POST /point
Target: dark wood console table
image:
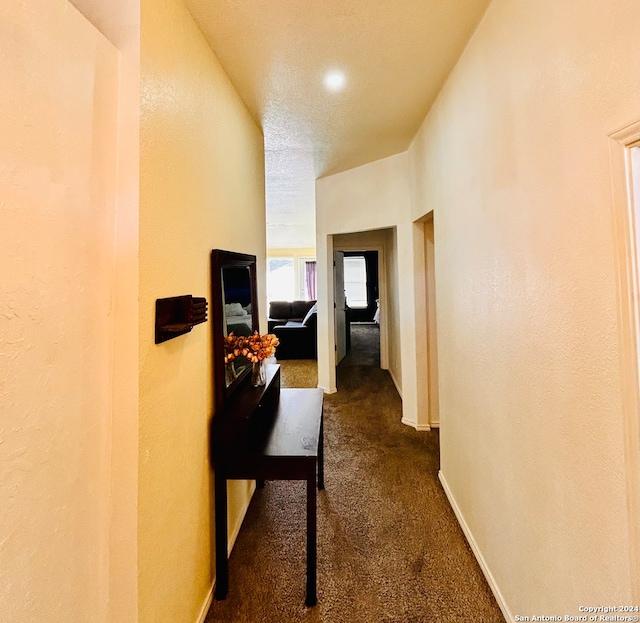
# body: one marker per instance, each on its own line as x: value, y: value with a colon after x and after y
x: 260, y: 437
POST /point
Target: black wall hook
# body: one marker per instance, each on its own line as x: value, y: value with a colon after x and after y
x: 177, y: 315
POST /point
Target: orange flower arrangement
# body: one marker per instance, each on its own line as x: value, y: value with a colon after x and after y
x: 254, y: 347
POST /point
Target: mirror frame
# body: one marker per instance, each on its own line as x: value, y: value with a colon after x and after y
x: 219, y: 261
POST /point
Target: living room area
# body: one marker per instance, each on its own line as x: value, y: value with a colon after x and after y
x: 292, y: 302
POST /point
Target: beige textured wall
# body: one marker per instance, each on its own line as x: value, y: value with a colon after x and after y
x: 58, y: 122
x: 202, y: 187
x: 377, y: 195
x: 514, y: 159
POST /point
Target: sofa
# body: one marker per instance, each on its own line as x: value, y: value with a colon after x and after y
x: 295, y: 324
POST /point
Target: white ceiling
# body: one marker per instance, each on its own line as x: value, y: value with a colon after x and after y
x: 396, y: 55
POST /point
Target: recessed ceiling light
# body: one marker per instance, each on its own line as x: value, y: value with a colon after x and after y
x: 335, y: 80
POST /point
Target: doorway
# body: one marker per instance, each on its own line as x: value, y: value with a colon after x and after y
x: 625, y: 162
x: 432, y: 342
x: 382, y: 241
x: 361, y: 287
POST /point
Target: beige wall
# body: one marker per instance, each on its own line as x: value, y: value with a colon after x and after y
x: 59, y: 188
x: 373, y: 196
x: 514, y: 160
x: 202, y: 187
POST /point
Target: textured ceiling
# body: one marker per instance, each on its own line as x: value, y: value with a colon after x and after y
x: 396, y: 55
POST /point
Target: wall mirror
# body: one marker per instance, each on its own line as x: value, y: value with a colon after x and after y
x: 234, y: 309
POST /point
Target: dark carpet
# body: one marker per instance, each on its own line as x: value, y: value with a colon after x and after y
x: 365, y: 346
x: 389, y: 546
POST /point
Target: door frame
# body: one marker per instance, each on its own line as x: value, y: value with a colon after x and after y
x: 428, y: 232
x: 339, y: 308
x: 626, y: 231
x: 382, y: 294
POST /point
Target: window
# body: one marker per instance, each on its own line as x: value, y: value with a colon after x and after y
x: 280, y: 279
x: 355, y: 281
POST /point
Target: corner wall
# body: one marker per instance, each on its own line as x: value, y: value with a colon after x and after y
x: 119, y: 22
x: 375, y: 196
x: 202, y: 187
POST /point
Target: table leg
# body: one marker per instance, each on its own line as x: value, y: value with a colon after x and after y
x: 311, y: 540
x: 321, y: 455
x: 222, y: 562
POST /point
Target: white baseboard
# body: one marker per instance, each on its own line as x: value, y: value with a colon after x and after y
x: 495, y: 589
x: 328, y: 391
x: 236, y: 529
x: 395, y: 382
x: 230, y: 543
x: 418, y: 427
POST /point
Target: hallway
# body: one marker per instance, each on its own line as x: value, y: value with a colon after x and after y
x: 389, y: 547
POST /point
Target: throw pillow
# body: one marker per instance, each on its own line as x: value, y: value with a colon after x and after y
x: 313, y: 310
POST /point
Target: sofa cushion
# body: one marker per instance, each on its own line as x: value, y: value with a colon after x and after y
x: 297, y: 341
x: 280, y: 309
